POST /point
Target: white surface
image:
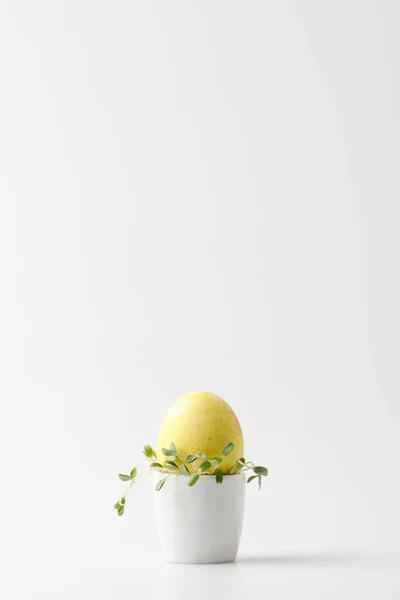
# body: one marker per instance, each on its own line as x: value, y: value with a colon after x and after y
x: 276, y: 575
x: 201, y: 523
x: 199, y: 195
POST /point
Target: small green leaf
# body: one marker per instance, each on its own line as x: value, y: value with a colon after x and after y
x: 122, y: 500
x: 236, y: 467
x: 259, y: 482
x: 216, y: 459
x: 156, y: 464
x: 242, y: 460
x: 219, y: 476
x: 251, y: 478
x: 190, y: 458
x: 261, y: 471
x: 193, y: 479
x: 123, y: 477
x: 173, y: 447
x: 168, y: 452
x: 160, y: 484
x: 204, y: 466
x: 202, y: 456
x: 117, y: 505
x: 170, y: 464
x: 228, y: 449
x: 133, y: 473
x: 184, y: 470
x: 121, y: 511
x: 148, y: 451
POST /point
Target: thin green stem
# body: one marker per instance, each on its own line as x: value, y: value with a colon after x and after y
x: 139, y: 478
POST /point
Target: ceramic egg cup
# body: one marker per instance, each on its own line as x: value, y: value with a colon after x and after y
x: 202, y: 523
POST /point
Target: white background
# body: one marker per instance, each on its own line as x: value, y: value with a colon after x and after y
x: 200, y: 195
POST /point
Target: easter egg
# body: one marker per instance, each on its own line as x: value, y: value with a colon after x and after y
x: 201, y: 422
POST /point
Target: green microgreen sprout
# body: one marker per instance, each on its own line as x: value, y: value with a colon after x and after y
x: 177, y: 465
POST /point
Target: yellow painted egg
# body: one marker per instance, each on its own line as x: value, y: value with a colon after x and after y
x: 201, y: 422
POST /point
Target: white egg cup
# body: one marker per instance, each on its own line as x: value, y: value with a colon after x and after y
x: 200, y: 524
